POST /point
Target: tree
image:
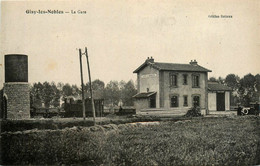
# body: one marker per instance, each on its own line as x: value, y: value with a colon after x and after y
x: 112, y: 93
x: 257, y: 85
x: 60, y: 86
x: 47, y: 94
x: 55, y: 102
x: 232, y: 81
x: 212, y: 79
x: 75, y: 90
x: 98, y: 88
x: 247, y: 90
x: 36, y: 91
x: 127, y: 93
x: 221, y: 80
x: 66, y: 90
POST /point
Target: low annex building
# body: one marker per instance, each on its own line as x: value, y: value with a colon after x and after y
x: 171, y: 87
x: 219, y: 97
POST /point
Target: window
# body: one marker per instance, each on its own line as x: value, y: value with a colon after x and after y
x: 195, y: 81
x: 173, y: 80
x: 174, y: 101
x: 185, y: 79
x: 196, y: 101
x: 185, y: 100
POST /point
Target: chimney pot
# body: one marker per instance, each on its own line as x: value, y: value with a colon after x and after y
x: 193, y: 62
x: 151, y: 60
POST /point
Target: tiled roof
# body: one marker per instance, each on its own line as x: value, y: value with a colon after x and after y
x: 173, y: 67
x: 218, y: 87
x: 144, y: 94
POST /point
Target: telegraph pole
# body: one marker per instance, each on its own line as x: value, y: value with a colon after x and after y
x: 90, y: 85
x: 82, y: 85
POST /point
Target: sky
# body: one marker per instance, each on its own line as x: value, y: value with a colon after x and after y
x: 121, y: 34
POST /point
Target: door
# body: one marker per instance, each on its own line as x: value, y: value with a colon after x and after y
x: 220, y: 101
x: 153, y: 101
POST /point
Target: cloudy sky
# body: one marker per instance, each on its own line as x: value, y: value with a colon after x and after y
x: 121, y: 34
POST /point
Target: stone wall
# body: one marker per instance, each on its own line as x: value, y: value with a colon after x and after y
x: 18, y: 100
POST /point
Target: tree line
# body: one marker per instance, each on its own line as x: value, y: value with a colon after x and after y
x: 52, y: 94
x: 245, y: 89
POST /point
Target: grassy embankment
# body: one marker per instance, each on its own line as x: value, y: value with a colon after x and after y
x: 199, y: 141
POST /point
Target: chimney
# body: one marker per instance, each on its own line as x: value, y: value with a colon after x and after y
x: 151, y: 60
x: 194, y: 62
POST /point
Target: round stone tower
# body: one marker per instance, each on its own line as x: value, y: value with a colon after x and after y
x: 16, y: 87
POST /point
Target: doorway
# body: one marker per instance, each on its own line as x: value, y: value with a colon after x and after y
x: 153, y: 101
x: 220, y: 101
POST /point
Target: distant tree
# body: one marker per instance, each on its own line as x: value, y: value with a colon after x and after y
x: 127, y: 93
x: 47, y: 94
x: 212, y: 79
x: 247, y: 90
x: 257, y: 79
x: 75, y: 90
x: 122, y: 84
x: 98, y: 88
x: 67, y: 90
x: 221, y: 80
x: 55, y: 102
x: 112, y: 93
x: 257, y: 87
x: 232, y: 81
x: 36, y: 91
x: 60, y: 86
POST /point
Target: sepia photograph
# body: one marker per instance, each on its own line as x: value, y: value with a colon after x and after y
x: 130, y: 82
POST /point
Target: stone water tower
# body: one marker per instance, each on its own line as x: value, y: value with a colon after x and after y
x: 16, y: 87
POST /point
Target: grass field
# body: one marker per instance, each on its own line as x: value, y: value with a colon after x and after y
x: 199, y: 141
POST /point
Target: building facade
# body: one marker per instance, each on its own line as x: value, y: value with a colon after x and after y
x: 171, y: 87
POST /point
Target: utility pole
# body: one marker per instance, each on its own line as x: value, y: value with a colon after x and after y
x: 90, y: 85
x: 82, y: 85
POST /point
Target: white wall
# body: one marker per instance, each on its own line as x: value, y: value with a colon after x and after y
x: 227, y: 101
x: 212, y: 99
x: 149, y: 78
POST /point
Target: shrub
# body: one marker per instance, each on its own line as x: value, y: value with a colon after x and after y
x: 193, y: 112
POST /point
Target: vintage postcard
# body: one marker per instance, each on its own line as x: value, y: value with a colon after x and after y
x: 130, y: 82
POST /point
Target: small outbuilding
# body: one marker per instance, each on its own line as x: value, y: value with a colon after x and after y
x: 218, y: 97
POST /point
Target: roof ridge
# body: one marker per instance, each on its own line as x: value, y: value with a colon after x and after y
x: 173, y: 63
x: 170, y: 66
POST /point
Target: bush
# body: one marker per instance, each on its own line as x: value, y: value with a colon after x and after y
x: 21, y: 125
x: 193, y: 112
